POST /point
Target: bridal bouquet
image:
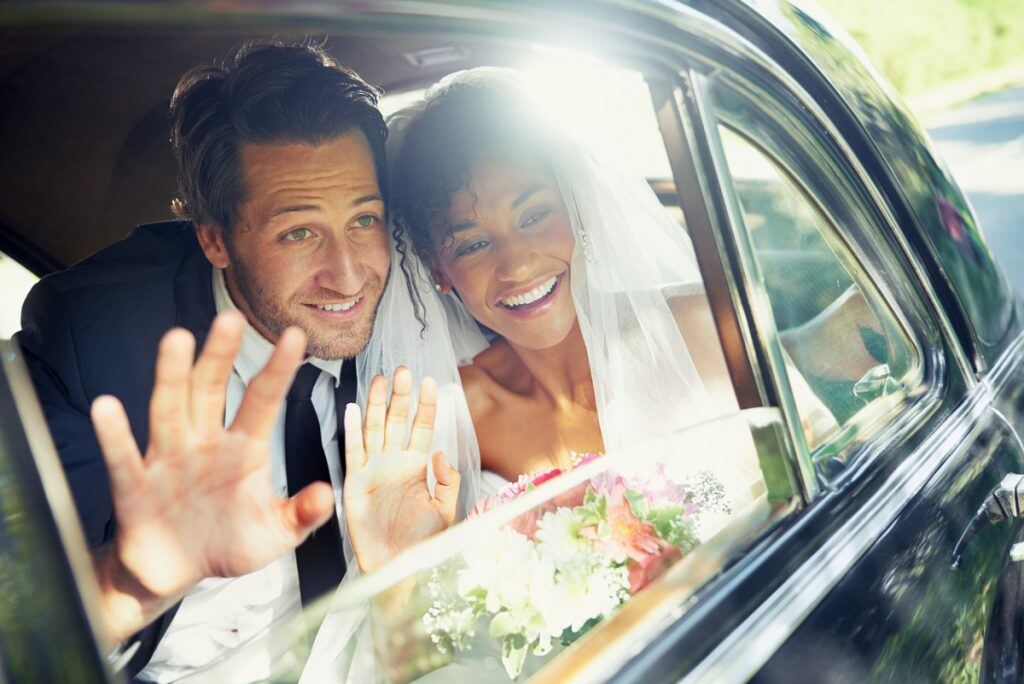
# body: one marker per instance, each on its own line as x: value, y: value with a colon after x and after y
x: 553, y: 573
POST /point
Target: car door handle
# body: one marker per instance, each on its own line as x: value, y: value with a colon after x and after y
x: 1005, y: 501
x: 877, y: 382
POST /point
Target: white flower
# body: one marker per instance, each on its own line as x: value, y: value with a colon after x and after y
x: 559, y: 540
x: 511, y: 575
x: 539, y: 589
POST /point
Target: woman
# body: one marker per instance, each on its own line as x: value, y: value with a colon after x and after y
x: 589, y: 288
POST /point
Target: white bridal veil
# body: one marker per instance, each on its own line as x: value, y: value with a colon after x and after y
x: 630, y: 258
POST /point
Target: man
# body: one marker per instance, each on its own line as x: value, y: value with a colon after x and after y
x: 280, y: 158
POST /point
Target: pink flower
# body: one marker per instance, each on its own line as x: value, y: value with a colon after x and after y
x: 642, y: 572
x: 627, y: 537
x: 657, y: 488
x: 579, y: 459
x: 526, y: 523
x: 544, y: 477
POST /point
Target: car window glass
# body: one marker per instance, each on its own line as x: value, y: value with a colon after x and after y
x: 543, y: 576
x: 15, y: 282
x: 846, y: 353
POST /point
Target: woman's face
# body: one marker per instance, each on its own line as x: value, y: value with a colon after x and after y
x: 509, y: 252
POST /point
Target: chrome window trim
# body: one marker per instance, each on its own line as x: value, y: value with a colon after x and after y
x: 56, y: 491
x: 1000, y: 372
x: 756, y: 296
x: 756, y: 639
x: 916, y: 321
x: 707, y: 235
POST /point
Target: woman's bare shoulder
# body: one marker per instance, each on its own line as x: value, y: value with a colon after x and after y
x: 482, y: 379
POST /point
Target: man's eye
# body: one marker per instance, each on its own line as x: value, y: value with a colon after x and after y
x: 298, y: 235
x: 366, y: 221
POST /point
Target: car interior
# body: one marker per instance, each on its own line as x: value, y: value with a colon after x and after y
x: 85, y: 124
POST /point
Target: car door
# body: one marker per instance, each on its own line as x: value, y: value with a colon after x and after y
x: 860, y: 583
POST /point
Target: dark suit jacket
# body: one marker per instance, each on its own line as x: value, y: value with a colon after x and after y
x: 94, y: 329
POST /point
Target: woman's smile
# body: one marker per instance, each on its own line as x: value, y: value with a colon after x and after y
x: 532, y: 301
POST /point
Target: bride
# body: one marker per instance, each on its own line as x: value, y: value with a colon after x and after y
x: 557, y: 289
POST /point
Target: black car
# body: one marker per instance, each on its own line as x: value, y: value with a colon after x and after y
x: 814, y: 203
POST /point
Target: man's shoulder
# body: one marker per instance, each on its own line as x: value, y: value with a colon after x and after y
x: 151, y: 251
x: 115, y: 304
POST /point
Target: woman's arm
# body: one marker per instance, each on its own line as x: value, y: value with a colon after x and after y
x: 830, y: 345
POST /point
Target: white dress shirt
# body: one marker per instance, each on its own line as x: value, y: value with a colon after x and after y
x: 221, y: 616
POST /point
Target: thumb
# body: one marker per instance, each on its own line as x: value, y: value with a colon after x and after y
x: 447, y: 489
x: 308, y: 510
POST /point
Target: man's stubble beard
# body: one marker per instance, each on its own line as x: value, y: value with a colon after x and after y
x: 344, y: 343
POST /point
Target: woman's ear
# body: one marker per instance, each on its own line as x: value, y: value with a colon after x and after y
x: 211, y: 241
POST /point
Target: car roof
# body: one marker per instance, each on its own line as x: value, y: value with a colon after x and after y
x: 85, y: 88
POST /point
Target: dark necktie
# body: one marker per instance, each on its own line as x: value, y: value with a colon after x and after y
x: 320, y: 560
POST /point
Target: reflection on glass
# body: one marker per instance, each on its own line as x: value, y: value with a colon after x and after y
x: 847, y: 356
x: 550, y: 563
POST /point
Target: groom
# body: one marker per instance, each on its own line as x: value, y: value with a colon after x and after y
x: 280, y: 157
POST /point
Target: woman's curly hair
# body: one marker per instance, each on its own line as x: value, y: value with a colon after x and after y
x: 436, y: 157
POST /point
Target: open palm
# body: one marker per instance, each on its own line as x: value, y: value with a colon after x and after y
x: 200, y: 504
x: 388, y: 504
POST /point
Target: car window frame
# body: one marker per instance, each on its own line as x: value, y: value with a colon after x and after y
x: 872, y: 242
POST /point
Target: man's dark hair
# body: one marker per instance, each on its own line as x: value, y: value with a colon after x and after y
x: 262, y: 93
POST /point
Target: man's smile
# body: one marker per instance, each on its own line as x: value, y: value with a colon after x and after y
x: 340, y: 310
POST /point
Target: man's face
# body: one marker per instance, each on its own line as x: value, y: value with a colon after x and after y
x: 310, y: 244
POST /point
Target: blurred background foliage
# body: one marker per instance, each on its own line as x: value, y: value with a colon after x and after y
x: 925, y: 44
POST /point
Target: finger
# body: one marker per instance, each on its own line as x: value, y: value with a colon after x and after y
x: 307, y: 510
x: 423, y: 424
x: 212, y: 372
x: 262, y: 400
x: 169, y: 406
x: 355, y: 455
x: 398, y: 410
x: 447, y: 489
x: 121, y: 453
x: 376, y: 408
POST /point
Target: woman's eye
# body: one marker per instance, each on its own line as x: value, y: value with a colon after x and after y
x: 298, y: 235
x: 366, y: 221
x: 535, y: 217
x: 467, y: 248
